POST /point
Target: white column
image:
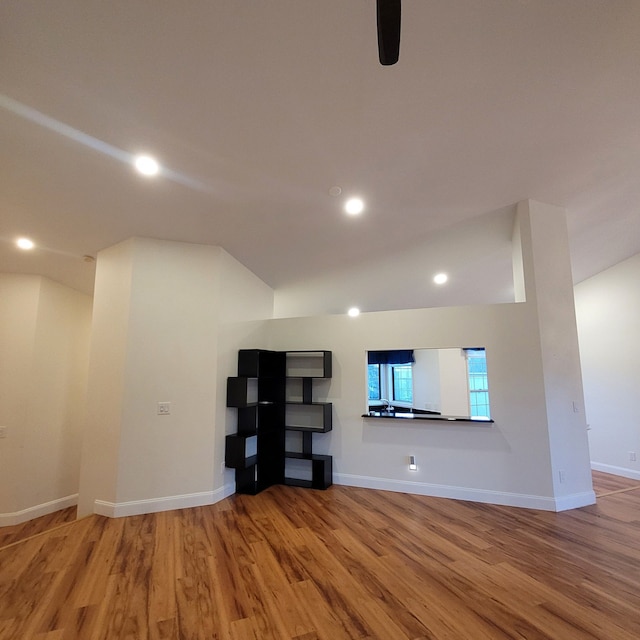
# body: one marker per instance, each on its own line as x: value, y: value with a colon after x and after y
x: 158, y: 313
x: 546, y: 282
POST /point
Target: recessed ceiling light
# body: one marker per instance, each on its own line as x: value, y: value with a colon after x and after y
x: 25, y: 243
x: 353, y: 312
x: 441, y: 278
x: 354, y: 206
x: 335, y: 191
x: 146, y: 165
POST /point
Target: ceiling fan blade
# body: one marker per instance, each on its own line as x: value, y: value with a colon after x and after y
x: 388, y: 30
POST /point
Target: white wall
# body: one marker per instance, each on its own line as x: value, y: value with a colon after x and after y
x: 507, y: 462
x: 44, y: 341
x: 534, y: 375
x: 549, y: 291
x: 403, y: 278
x: 19, y: 296
x: 164, y: 328
x: 608, y: 314
x: 440, y: 381
x: 247, y: 304
x: 181, y: 312
x: 454, y: 386
x: 426, y: 380
x: 106, y: 382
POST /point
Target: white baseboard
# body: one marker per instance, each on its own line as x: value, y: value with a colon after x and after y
x: 504, y: 498
x: 18, y: 517
x: 167, y: 503
x: 575, y: 501
x: 616, y: 471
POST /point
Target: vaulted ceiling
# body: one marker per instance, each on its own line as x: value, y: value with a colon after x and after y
x: 256, y: 109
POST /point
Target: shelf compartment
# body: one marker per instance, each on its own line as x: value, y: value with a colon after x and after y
x: 308, y: 364
x: 247, y: 392
x: 316, y: 416
x: 293, y: 390
x: 248, y: 420
x: 321, y: 471
x: 300, y: 390
x: 246, y: 481
x: 240, y: 451
x: 260, y: 363
x: 242, y: 392
x: 270, y: 461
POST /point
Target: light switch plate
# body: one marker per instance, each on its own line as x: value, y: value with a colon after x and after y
x: 164, y: 408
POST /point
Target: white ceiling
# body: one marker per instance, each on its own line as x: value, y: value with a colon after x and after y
x: 258, y: 107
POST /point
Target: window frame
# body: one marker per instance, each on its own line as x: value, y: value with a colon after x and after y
x: 387, y: 387
x: 392, y: 377
x: 472, y: 376
x: 369, y: 370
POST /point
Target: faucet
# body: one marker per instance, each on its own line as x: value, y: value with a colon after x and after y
x: 388, y: 407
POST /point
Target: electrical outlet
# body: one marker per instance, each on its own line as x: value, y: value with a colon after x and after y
x: 164, y: 408
x: 3, y: 432
x: 563, y: 476
x: 632, y: 456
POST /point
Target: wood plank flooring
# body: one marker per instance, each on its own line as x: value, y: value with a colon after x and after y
x: 15, y: 533
x: 605, y: 483
x: 297, y: 564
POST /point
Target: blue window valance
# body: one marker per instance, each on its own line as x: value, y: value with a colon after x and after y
x: 391, y: 357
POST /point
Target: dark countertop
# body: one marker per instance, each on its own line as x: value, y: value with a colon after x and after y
x: 401, y: 415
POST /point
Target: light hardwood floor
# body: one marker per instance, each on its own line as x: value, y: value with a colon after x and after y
x: 15, y: 533
x: 342, y: 563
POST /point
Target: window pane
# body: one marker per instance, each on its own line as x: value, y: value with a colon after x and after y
x: 477, y: 363
x: 402, y: 383
x: 478, y: 383
x: 374, y: 381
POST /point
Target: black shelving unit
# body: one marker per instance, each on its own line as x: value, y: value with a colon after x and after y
x: 257, y: 451
x: 258, y: 392
x: 309, y: 417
